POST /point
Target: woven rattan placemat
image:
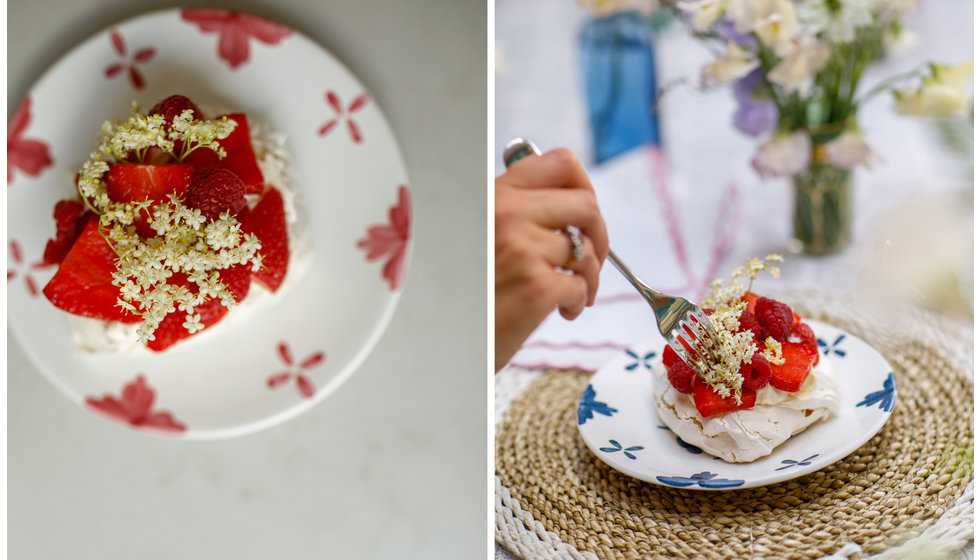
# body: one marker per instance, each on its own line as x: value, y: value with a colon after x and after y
x: 911, y: 483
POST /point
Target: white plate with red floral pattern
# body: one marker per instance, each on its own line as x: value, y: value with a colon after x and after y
x: 351, y: 181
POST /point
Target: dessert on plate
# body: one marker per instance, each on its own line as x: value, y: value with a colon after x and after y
x: 769, y: 382
x: 179, y: 219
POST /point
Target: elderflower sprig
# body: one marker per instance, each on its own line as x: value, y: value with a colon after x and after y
x: 186, y: 243
x: 736, y: 347
x: 200, y: 134
x: 134, y: 137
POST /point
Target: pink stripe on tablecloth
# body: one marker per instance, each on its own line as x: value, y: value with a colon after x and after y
x: 727, y: 225
x: 575, y: 344
x: 658, y: 172
x: 550, y: 365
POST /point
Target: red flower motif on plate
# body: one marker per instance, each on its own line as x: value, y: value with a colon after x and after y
x: 234, y: 30
x: 135, y: 407
x: 128, y: 64
x: 17, y: 255
x: 345, y: 114
x: 29, y: 155
x: 391, y: 240
x: 303, y: 383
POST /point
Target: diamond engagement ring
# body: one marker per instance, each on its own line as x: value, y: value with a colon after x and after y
x: 578, y: 246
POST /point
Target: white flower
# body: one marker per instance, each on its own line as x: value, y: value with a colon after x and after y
x: 733, y: 64
x: 899, y: 8
x: 803, y: 62
x: 784, y: 154
x: 605, y: 8
x: 898, y: 40
x: 735, y: 347
x: 942, y: 93
x: 848, y: 150
x: 773, y: 21
x: 706, y: 12
x: 193, y: 323
x: 836, y: 21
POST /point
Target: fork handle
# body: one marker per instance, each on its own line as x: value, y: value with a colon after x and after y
x: 653, y: 297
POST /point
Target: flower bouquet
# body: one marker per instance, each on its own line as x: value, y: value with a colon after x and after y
x: 796, y: 69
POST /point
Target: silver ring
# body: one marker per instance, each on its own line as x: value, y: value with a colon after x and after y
x: 578, y: 246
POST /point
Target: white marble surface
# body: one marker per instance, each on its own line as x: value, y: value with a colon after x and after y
x: 392, y: 465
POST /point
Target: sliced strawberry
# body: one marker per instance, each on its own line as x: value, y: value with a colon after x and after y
x: 670, y: 357
x: 750, y: 299
x: 83, y: 283
x: 710, y: 403
x: 136, y: 182
x: 804, y: 334
x: 70, y: 217
x: 790, y: 375
x: 171, y: 330
x: 268, y: 222
x: 240, y: 159
x: 214, y: 191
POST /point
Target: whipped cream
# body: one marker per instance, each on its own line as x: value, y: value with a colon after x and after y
x: 746, y: 435
x: 113, y: 337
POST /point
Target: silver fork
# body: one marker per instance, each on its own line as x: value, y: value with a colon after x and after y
x: 673, y: 313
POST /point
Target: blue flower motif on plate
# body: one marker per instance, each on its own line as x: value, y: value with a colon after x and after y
x: 616, y: 446
x: 885, y: 399
x: 588, y: 405
x: 638, y: 361
x: 692, y: 449
x: 832, y: 347
x: 703, y: 479
x: 787, y: 463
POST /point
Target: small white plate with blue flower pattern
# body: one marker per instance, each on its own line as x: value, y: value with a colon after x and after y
x: 618, y: 420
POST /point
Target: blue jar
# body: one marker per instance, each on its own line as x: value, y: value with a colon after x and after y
x: 619, y: 74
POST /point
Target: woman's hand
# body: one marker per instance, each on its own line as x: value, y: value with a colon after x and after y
x: 535, y: 200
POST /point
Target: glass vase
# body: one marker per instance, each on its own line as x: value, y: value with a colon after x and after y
x: 619, y: 75
x: 821, y: 209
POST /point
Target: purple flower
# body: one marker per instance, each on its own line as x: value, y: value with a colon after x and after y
x: 726, y: 28
x: 756, y: 113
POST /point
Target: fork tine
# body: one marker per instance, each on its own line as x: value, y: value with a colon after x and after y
x: 682, y: 351
x: 699, y: 349
x: 702, y: 318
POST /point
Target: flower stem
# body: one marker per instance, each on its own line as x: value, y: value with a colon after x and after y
x: 887, y: 83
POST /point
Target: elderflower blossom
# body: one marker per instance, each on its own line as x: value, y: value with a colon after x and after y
x: 201, y: 134
x: 186, y: 242
x: 736, y: 347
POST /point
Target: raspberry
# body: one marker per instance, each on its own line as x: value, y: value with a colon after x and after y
x: 173, y: 106
x: 70, y: 217
x: 670, y: 357
x: 680, y: 375
x: 215, y: 190
x: 776, y: 318
x: 748, y: 322
x: 755, y: 374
